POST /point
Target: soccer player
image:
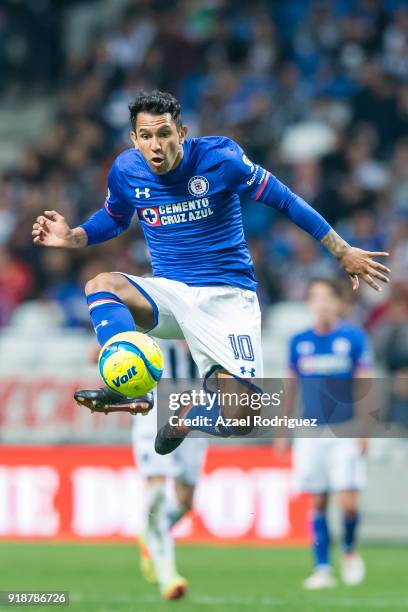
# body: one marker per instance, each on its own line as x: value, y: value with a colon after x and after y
x: 170, y: 479
x: 185, y: 193
x: 336, y: 353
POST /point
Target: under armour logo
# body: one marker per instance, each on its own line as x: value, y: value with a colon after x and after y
x: 142, y: 192
x: 250, y: 371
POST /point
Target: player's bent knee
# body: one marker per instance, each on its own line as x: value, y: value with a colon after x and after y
x: 101, y: 282
x: 106, y: 281
x: 140, y: 308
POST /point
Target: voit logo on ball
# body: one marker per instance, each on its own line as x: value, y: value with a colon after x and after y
x: 121, y: 380
x: 198, y: 185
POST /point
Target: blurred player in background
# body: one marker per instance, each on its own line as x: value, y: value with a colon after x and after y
x: 336, y: 350
x: 170, y: 480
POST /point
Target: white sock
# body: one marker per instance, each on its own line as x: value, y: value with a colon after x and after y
x: 159, y: 540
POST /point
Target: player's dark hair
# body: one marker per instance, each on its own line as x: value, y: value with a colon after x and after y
x: 157, y: 103
x: 335, y: 286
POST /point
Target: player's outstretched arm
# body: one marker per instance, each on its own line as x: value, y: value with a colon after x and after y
x: 246, y: 178
x: 52, y: 230
x: 357, y: 262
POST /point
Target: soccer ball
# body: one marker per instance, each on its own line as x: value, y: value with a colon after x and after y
x: 131, y: 363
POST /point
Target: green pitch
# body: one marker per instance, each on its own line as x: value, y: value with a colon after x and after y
x: 105, y: 578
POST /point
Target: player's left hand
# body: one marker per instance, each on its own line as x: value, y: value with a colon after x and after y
x: 359, y: 263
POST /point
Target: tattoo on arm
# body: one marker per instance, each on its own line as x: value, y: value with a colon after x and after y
x: 335, y: 244
x: 79, y: 238
x: 78, y: 241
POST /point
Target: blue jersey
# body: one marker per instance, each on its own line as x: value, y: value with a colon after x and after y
x: 325, y: 365
x: 191, y: 216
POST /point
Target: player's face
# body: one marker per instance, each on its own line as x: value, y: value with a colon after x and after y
x: 159, y: 140
x: 324, y: 304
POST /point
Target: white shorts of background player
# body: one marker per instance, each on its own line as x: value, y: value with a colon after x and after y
x: 322, y: 465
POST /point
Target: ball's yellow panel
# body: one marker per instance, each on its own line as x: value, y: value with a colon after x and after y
x: 131, y: 363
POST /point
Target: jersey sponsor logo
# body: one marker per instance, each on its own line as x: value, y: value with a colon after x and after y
x: 142, y: 193
x: 198, y: 185
x: 325, y: 365
x: 150, y: 215
x: 178, y: 212
x: 183, y: 212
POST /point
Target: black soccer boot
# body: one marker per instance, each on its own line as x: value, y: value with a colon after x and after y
x: 107, y: 400
x: 169, y: 437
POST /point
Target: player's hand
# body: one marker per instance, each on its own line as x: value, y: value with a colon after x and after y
x: 360, y: 264
x: 51, y: 230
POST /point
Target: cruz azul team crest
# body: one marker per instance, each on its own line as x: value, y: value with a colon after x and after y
x: 198, y: 185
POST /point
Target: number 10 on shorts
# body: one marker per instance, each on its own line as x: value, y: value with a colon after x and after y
x: 242, y: 346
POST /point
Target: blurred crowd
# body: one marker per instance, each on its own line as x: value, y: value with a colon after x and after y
x: 316, y: 91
